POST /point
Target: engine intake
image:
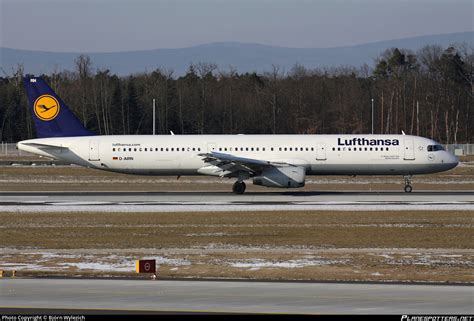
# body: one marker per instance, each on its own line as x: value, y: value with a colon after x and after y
x: 283, y: 177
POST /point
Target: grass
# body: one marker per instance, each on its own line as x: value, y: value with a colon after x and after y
x: 358, y: 244
x: 395, y: 229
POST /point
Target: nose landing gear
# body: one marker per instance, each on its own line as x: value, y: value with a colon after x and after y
x: 408, y: 187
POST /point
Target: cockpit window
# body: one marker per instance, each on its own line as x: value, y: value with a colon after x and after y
x: 435, y: 148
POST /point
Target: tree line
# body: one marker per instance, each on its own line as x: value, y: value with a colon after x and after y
x: 427, y: 93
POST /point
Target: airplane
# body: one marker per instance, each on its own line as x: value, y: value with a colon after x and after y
x: 281, y: 161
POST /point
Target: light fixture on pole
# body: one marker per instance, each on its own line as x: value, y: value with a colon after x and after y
x: 372, y: 116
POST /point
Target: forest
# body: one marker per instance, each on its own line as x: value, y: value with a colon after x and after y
x: 427, y: 93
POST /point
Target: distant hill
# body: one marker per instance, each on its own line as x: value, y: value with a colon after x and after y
x: 242, y: 56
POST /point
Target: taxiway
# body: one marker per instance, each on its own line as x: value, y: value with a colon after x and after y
x: 118, y: 296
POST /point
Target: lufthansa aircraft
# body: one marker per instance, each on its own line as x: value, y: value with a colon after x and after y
x: 269, y: 160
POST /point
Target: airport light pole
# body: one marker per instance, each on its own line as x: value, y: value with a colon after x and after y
x: 154, y: 107
x: 372, y: 116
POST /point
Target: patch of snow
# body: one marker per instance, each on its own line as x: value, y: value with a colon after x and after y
x: 254, y: 264
x: 100, y: 266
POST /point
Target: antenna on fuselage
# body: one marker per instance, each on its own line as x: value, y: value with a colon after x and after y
x: 171, y: 132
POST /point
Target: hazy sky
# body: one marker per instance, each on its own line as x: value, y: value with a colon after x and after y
x: 119, y: 25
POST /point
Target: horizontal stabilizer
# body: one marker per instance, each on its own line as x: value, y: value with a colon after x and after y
x: 45, y: 145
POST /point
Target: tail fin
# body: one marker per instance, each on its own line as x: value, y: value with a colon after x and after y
x: 51, y: 115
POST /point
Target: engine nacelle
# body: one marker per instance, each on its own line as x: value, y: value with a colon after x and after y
x: 284, y: 177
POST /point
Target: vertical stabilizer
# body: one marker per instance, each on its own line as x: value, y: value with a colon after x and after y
x: 51, y: 115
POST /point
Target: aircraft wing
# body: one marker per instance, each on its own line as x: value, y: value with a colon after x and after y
x: 233, y: 164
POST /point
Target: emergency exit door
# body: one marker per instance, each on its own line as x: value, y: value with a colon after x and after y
x: 94, y: 150
x: 321, y: 152
x: 409, y: 150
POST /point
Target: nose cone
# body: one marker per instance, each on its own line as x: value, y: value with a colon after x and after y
x: 451, y: 160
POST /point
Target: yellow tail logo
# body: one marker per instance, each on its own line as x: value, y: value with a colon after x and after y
x: 46, y: 107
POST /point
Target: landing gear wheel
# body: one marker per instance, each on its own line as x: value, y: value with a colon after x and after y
x: 238, y: 188
x: 408, y: 187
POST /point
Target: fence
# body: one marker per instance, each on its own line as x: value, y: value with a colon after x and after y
x: 10, y: 150
x: 456, y: 149
x: 460, y: 149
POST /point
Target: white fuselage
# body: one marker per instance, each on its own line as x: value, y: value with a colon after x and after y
x: 179, y: 154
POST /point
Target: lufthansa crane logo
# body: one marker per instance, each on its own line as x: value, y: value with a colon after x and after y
x: 46, y: 107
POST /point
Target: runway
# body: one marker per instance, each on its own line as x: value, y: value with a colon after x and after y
x: 118, y: 296
x: 225, y: 201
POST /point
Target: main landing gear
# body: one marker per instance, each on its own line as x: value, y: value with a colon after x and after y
x: 408, y: 187
x: 238, y: 188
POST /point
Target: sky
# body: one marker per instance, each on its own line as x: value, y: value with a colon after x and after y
x: 127, y: 25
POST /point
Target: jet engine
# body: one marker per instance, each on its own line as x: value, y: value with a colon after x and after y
x: 284, y: 177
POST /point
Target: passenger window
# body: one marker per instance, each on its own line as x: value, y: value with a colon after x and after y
x: 312, y: 149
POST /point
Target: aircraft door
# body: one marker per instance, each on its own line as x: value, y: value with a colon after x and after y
x: 409, y: 150
x: 321, y: 151
x: 94, y: 150
x: 211, y: 147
